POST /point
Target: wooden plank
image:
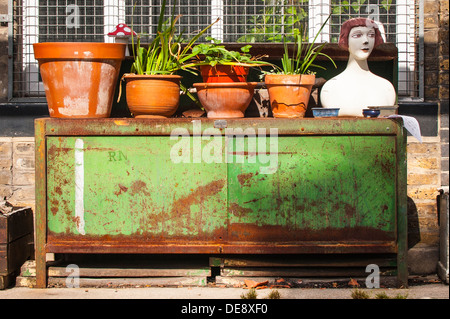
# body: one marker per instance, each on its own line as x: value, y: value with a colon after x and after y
x: 117, y: 282
x: 16, y: 224
x: 14, y: 254
x: 129, y: 272
x: 19, y: 251
x: 293, y: 272
x: 29, y: 270
x: 299, y: 261
x: 293, y: 282
x: 3, y: 259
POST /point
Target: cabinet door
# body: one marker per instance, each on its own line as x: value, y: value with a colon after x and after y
x: 325, y: 188
x: 125, y: 188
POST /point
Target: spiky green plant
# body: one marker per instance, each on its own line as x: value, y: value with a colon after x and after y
x: 303, y: 58
x: 165, y: 54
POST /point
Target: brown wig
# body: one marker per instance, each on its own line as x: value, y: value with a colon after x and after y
x: 358, y: 22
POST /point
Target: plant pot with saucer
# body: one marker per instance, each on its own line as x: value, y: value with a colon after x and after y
x: 224, y: 92
x: 290, y: 86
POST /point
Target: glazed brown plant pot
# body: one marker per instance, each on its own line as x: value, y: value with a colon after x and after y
x: 224, y: 73
x: 225, y: 100
x: 289, y: 94
x: 79, y: 78
x: 156, y: 96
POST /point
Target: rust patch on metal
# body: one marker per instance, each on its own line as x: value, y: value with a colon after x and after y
x: 122, y: 189
x: 197, y: 196
x: 139, y: 187
x: 239, y: 210
x: 280, y: 234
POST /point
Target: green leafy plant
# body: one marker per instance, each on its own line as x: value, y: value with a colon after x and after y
x: 303, y: 57
x: 215, y: 53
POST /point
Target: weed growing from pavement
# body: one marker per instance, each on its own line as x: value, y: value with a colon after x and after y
x: 360, y: 294
x: 250, y: 295
x: 273, y: 294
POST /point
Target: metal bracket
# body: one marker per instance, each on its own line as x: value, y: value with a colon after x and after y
x: 220, y: 124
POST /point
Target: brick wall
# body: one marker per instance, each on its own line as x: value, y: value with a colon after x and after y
x: 443, y: 37
x: 428, y: 161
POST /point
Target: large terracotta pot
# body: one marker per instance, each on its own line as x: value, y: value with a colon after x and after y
x: 289, y: 94
x: 225, y: 100
x: 79, y: 78
x: 152, y: 95
x: 224, y: 73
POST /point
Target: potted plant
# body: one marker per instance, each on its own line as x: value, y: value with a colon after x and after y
x: 79, y: 77
x: 152, y: 87
x: 219, y: 65
x: 290, y: 86
x: 225, y: 92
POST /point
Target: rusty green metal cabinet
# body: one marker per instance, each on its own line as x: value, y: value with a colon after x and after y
x: 241, y: 186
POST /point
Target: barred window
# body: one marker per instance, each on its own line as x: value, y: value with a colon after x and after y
x: 243, y: 21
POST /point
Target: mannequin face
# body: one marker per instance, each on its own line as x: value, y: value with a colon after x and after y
x: 361, y: 41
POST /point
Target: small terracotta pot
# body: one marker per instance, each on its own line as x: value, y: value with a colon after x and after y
x: 225, y: 100
x: 289, y: 94
x: 224, y: 73
x: 152, y: 95
x: 79, y: 78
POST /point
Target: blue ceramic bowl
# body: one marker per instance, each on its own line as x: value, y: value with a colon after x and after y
x: 371, y: 112
x: 323, y: 112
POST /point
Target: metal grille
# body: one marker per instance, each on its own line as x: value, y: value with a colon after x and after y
x: 252, y: 21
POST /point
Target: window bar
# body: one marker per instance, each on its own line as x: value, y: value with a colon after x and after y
x: 421, y: 51
x: 10, y: 50
x: 318, y: 13
x: 217, y: 12
x: 30, y: 22
x: 114, y: 14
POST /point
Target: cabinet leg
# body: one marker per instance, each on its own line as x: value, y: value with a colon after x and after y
x: 402, y: 270
x: 41, y: 270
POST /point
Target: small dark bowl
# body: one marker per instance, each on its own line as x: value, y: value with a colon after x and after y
x: 371, y: 112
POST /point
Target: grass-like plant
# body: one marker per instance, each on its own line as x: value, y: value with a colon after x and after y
x: 165, y: 54
x: 303, y: 57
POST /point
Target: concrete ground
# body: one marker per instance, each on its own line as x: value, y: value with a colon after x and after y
x: 432, y: 289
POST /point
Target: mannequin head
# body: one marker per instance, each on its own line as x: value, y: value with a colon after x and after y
x: 361, y: 41
x: 359, y: 36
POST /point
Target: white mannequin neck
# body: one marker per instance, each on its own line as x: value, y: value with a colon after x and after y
x: 356, y: 66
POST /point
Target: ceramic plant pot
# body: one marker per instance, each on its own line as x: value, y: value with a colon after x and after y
x: 223, y: 73
x: 79, y: 78
x: 156, y: 96
x: 289, y: 94
x: 225, y: 100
